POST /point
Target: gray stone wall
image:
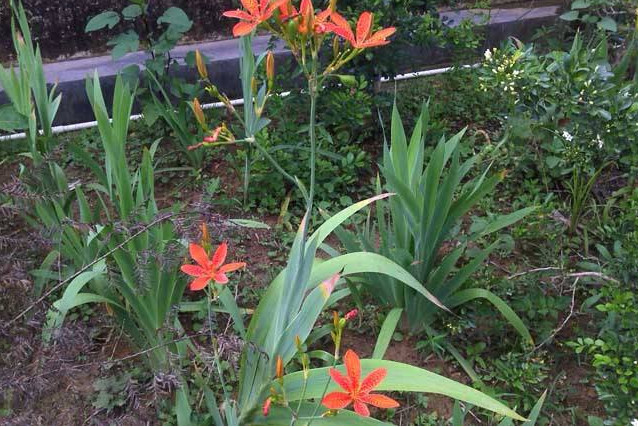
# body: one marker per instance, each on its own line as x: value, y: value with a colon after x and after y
x: 58, y: 25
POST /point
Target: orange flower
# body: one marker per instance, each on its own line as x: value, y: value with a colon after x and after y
x: 209, y: 269
x: 357, y: 392
x: 287, y: 10
x: 257, y: 11
x: 309, y: 23
x: 364, y: 37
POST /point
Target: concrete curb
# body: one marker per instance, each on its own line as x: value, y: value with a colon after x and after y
x: 224, y: 67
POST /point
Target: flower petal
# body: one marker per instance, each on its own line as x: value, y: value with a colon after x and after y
x: 379, y: 400
x: 220, y: 278
x: 379, y: 38
x: 353, y: 367
x: 193, y: 270
x: 364, y: 25
x: 275, y: 4
x: 361, y: 409
x: 239, y: 14
x: 220, y: 255
x: 336, y: 400
x: 199, y: 255
x: 199, y: 283
x: 243, y: 28
x: 227, y: 268
x: 340, y: 379
x: 251, y: 6
x: 373, y: 379
x: 342, y: 27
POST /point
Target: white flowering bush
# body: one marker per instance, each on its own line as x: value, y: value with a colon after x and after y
x: 571, y: 103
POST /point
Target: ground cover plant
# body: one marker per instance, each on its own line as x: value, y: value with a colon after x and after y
x: 459, y: 249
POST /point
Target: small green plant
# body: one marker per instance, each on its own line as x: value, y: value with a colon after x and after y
x: 163, y: 86
x: 33, y: 106
x: 613, y: 353
x: 603, y: 14
x: 412, y: 228
x: 171, y: 27
x: 573, y: 107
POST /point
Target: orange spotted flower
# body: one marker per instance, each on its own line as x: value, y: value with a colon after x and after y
x: 364, y: 37
x: 357, y: 392
x: 287, y: 11
x: 257, y: 11
x: 311, y: 23
x: 209, y: 269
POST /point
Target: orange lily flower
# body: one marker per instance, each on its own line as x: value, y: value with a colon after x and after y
x: 357, y: 392
x: 287, y: 11
x: 257, y: 11
x: 209, y: 269
x: 309, y: 23
x: 364, y: 37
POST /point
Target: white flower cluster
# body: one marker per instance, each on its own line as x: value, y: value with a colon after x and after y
x: 502, y: 72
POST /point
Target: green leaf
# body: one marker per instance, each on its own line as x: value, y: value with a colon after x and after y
x: 536, y: 410
x: 400, y: 377
x: 131, y: 11
x: 280, y: 416
x: 581, y: 4
x: 572, y: 15
x: 11, y: 120
x: 385, y: 335
x: 45, y: 267
x: 608, y: 23
x: 552, y: 161
x: 151, y: 113
x: 347, y: 80
x: 182, y: 407
x: 177, y: 18
x: 604, y: 114
x: 507, y: 220
x: 105, y: 19
x: 124, y: 43
x: 466, y: 295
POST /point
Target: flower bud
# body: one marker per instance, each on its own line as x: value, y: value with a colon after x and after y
x: 201, y: 66
x: 292, y: 28
x: 335, y: 319
x: 205, y: 236
x: 333, y: 5
x: 351, y: 314
x: 336, y: 47
x: 280, y: 367
x: 213, y: 137
x: 266, y: 408
x: 270, y: 69
x: 298, y: 343
x: 199, y: 113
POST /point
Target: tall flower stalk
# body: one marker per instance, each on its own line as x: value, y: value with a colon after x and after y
x: 305, y: 31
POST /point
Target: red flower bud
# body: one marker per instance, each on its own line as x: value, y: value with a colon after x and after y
x: 351, y: 314
x: 266, y: 408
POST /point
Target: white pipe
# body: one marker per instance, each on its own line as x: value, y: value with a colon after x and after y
x: 424, y: 73
x: 88, y: 125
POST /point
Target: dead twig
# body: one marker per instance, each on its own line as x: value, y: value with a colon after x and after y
x: 534, y: 270
x: 91, y: 264
x: 562, y: 325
